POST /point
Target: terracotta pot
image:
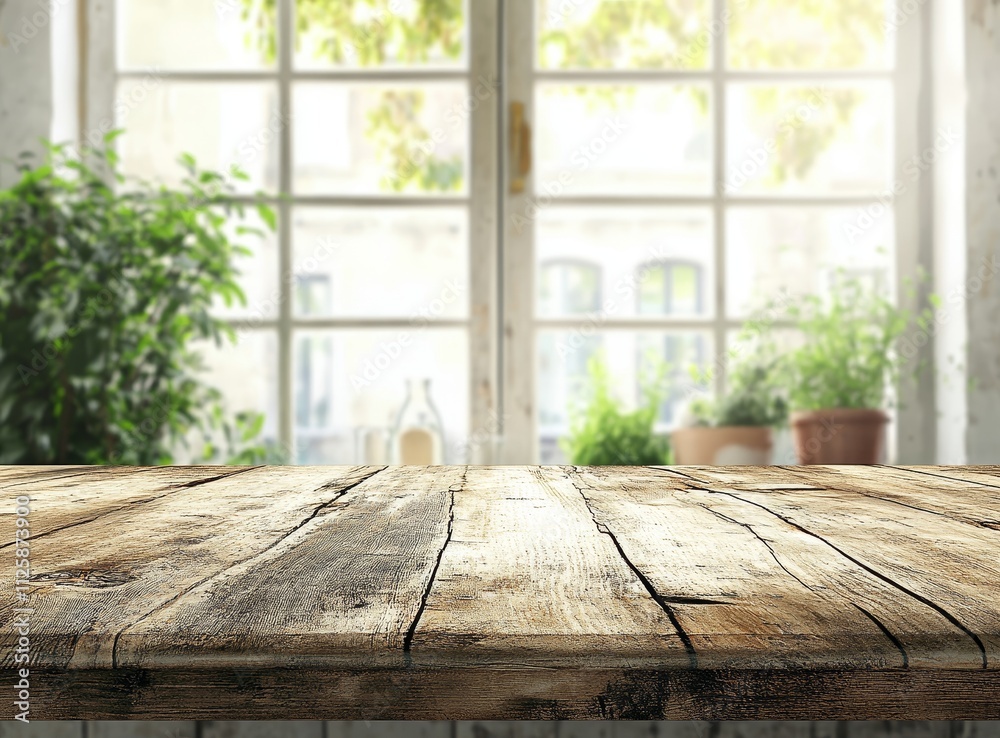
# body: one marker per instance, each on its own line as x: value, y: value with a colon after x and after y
x: 839, y: 436
x: 731, y: 445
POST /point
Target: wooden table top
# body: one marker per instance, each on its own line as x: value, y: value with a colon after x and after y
x: 509, y: 592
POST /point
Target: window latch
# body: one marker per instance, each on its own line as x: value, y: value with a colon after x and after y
x: 520, y: 148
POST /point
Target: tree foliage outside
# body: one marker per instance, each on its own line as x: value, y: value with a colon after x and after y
x: 637, y: 34
x: 103, y: 294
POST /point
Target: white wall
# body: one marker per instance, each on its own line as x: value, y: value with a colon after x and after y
x: 25, y: 80
x: 982, y: 221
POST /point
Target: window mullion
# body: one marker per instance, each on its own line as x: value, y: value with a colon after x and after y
x: 286, y: 40
x: 719, y: 177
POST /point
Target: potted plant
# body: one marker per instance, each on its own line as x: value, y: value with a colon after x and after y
x: 602, y: 433
x: 737, y: 427
x: 105, y: 292
x: 839, y: 378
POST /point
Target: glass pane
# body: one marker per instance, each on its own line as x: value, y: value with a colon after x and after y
x: 380, y: 33
x: 381, y: 262
x: 797, y: 251
x: 221, y: 124
x: 258, y: 270
x: 562, y: 379
x: 819, y: 139
x: 803, y: 34
x: 372, y: 139
x: 611, y: 34
x: 351, y: 385
x: 247, y: 376
x: 622, y: 140
x: 222, y: 35
x: 623, y: 262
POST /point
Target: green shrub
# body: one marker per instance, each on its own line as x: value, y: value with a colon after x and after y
x: 103, y: 290
x: 754, y: 394
x: 603, y: 434
x: 849, y: 358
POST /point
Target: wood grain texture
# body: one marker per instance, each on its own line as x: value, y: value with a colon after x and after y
x: 342, y: 588
x: 497, y: 593
x: 84, y: 494
x: 935, y: 560
x: 529, y: 578
x: 93, y: 581
x: 753, y: 591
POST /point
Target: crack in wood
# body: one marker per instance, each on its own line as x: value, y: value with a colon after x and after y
x: 758, y: 537
x: 846, y: 486
x: 207, y: 480
x: 412, y: 630
x: 172, y: 489
x: 657, y: 597
x: 944, y: 476
x: 316, y: 511
x: 874, y: 572
x: 89, y: 471
x: 888, y: 634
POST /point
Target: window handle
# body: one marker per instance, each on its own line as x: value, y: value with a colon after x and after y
x: 520, y: 148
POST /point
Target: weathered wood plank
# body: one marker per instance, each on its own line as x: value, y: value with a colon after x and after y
x: 18, y: 474
x: 966, y: 500
x: 62, y: 501
x: 511, y: 693
x: 92, y: 581
x: 753, y: 591
x: 528, y: 577
x: 516, y: 593
x: 344, y: 588
x: 941, y: 562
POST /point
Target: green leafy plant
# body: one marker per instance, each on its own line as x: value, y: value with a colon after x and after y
x: 754, y: 393
x: 604, y: 434
x: 850, y: 357
x: 103, y: 290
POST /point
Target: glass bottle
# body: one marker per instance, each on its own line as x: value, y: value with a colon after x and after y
x: 418, y: 437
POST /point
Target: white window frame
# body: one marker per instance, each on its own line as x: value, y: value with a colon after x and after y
x: 914, y: 437
x: 101, y: 79
x: 502, y: 324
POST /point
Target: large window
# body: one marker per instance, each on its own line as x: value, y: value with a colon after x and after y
x: 688, y: 161
x: 355, y: 119
x: 706, y: 157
